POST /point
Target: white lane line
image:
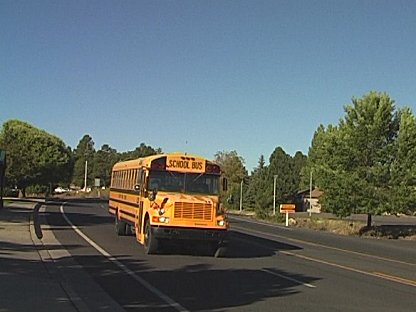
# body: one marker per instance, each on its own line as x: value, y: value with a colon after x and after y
x: 101, y: 250
x: 289, y: 278
x: 243, y: 219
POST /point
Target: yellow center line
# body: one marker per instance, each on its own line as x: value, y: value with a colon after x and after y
x: 396, y: 279
x: 344, y: 267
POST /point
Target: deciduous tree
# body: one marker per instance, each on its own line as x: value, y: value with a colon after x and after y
x: 361, y: 163
x: 233, y: 168
x: 142, y: 150
x: 34, y: 157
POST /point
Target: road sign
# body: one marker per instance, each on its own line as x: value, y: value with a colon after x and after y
x: 287, y: 208
x: 97, y: 182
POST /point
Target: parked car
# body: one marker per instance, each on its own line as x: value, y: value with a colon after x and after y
x: 60, y: 190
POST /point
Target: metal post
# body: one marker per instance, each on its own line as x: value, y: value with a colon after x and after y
x: 85, y: 176
x: 241, y: 195
x: 2, y: 175
x: 310, y: 195
x: 1, y: 186
x: 274, y: 194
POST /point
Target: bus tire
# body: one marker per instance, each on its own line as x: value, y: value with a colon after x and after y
x: 120, y: 226
x: 150, y: 242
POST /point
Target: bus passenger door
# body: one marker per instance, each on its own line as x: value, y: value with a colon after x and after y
x: 141, y: 183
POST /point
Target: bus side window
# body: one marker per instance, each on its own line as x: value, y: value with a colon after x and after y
x: 139, y: 180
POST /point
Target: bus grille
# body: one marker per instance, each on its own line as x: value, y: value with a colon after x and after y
x: 193, y: 211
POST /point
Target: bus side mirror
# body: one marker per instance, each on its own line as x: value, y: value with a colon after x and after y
x: 152, y: 195
x: 224, y: 184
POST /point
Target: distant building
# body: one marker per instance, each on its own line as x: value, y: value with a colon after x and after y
x: 307, y: 201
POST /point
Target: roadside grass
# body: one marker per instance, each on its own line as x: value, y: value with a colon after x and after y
x: 407, y: 232
x: 357, y: 228
x: 337, y: 226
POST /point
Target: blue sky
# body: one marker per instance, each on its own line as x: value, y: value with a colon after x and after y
x: 201, y: 76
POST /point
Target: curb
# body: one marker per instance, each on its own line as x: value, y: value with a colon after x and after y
x: 49, y: 261
x: 81, y: 291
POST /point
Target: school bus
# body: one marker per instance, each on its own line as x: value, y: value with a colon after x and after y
x: 169, y: 197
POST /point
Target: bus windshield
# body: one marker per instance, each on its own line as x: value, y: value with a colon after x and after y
x: 189, y: 183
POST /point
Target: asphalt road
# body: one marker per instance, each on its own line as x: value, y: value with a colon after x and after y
x: 266, y: 268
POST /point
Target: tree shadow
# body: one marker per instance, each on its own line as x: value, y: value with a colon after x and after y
x: 9, y: 248
x: 55, y: 219
x: 203, y: 288
x: 239, y: 246
x: 15, y: 214
x: 244, y: 245
x: 197, y: 287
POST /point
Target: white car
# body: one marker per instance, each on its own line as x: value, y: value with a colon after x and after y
x: 60, y: 190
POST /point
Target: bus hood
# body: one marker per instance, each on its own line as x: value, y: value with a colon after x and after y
x: 188, y: 207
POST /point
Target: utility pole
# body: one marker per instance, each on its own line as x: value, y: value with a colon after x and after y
x: 274, y: 194
x: 2, y: 175
x: 85, y: 175
x: 241, y: 195
x: 310, y: 195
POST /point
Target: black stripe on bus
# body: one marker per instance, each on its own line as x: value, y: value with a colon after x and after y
x: 129, y: 214
x: 113, y: 210
x: 134, y: 192
x: 125, y: 202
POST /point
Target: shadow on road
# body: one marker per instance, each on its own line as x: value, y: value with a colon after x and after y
x: 197, y: 287
x: 243, y: 245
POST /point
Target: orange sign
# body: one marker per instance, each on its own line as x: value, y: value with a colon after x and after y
x: 287, y: 208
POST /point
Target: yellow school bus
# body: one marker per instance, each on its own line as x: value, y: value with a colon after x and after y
x: 169, y: 197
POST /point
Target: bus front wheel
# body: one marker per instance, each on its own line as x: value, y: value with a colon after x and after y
x: 150, y: 242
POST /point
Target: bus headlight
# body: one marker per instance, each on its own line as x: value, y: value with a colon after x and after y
x: 163, y: 219
x: 221, y: 223
x: 160, y: 219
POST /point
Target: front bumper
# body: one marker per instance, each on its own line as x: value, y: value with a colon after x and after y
x: 199, y: 234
